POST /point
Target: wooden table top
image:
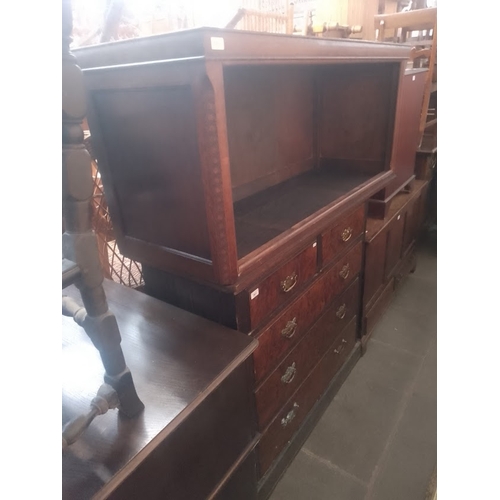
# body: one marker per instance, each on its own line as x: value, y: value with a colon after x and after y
x: 176, y: 360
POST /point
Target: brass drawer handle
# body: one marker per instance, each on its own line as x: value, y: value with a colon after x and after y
x: 344, y: 272
x: 341, y: 348
x: 289, y: 331
x: 290, y: 415
x: 289, y: 374
x: 289, y: 282
x: 341, y: 311
x: 346, y: 234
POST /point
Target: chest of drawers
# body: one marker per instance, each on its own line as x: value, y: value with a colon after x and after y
x: 306, y: 320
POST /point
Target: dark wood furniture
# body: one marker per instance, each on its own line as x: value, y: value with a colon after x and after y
x: 254, y: 141
x: 80, y: 258
x: 238, y: 168
x: 390, y: 252
x: 196, y: 436
x: 406, y: 140
x: 418, y: 30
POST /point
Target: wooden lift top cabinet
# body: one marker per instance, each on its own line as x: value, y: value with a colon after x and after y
x: 239, y: 168
x: 223, y: 151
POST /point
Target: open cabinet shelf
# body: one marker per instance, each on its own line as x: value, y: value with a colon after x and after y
x: 215, y: 144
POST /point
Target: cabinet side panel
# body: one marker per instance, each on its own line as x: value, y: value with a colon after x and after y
x: 189, y: 462
x: 406, y: 135
x: 153, y: 168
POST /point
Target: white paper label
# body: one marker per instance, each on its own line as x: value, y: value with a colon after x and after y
x: 254, y: 294
x: 399, y: 217
x: 217, y: 43
x: 413, y: 78
x: 315, y: 244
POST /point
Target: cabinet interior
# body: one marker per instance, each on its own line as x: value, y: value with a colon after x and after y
x: 302, y: 136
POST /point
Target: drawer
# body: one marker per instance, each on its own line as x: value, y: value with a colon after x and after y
x: 284, y: 332
x: 339, y: 237
x: 289, y: 419
x: 340, y: 275
x: 283, y: 382
x: 281, y: 286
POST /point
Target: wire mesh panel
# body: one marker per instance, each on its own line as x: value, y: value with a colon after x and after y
x: 114, y: 265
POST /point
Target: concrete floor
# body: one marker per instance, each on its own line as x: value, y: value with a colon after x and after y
x: 377, y: 439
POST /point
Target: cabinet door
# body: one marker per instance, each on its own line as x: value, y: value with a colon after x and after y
x: 374, y: 266
x: 410, y: 224
x: 394, y: 244
x: 422, y: 207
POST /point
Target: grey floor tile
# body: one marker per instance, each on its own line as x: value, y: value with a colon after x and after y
x: 353, y: 431
x: 419, y: 295
x: 426, y: 381
x: 406, y: 329
x: 386, y: 366
x: 311, y: 479
x: 411, y: 455
x: 426, y: 264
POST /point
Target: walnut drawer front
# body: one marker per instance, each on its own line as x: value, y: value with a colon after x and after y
x: 341, y: 235
x: 342, y: 273
x: 284, y: 332
x: 282, y: 383
x: 282, y: 285
x: 289, y: 419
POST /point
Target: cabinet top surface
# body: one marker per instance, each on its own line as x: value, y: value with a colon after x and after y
x: 375, y: 226
x: 228, y: 46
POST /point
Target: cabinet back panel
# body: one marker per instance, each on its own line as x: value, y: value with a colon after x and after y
x: 151, y: 151
x: 356, y: 114
x: 270, y: 125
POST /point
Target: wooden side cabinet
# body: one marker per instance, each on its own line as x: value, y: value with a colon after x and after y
x: 390, y: 253
x: 197, y: 435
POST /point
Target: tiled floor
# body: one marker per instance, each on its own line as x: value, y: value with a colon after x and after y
x: 377, y: 439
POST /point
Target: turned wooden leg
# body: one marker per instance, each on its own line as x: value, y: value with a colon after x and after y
x: 79, y: 240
